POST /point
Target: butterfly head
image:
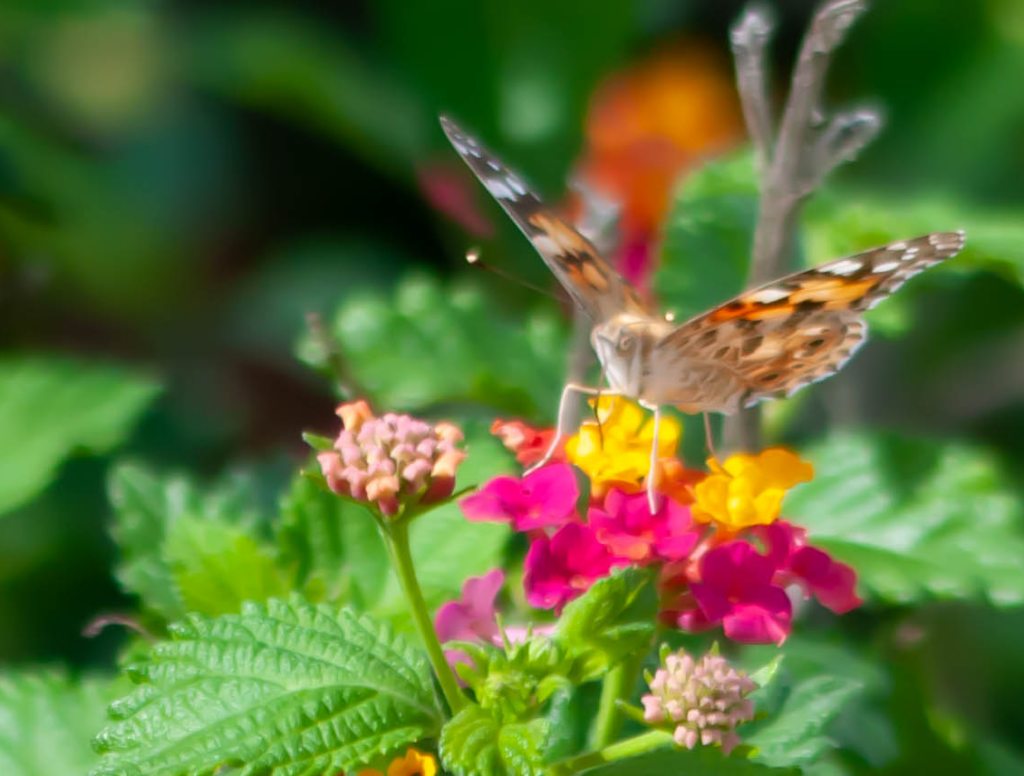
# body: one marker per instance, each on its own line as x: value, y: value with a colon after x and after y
x: 622, y: 345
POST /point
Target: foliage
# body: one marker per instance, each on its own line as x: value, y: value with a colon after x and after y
x: 915, y: 519
x: 337, y: 690
x: 55, y: 407
x: 475, y: 743
x: 47, y: 719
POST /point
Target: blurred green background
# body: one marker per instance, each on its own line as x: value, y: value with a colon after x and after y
x: 182, y: 183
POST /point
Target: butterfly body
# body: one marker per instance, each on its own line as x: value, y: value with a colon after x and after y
x: 765, y: 343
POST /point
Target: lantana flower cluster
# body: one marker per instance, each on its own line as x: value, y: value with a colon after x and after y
x: 700, y: 701
x: 391, y: 460
x: 724, y: 557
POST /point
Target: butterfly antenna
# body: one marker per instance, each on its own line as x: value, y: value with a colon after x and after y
x: 473, y: 259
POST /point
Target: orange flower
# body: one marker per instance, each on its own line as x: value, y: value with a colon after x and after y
x: 647, y: 124
x: 415, y: 763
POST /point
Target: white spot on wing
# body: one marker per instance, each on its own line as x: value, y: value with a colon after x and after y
x: 768, y: 295
x: 843, y: 267
x: 886, y: 266
x: 499, y: 188
x: 516, y: 185
x: 494, y: 165
x: 545, y: 245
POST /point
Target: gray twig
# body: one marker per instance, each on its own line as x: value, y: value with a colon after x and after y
x: 808, y: 145
x: 599, y: 223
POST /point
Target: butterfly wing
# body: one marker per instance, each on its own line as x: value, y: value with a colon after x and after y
x: 773, y: 340
x: 597, y: 288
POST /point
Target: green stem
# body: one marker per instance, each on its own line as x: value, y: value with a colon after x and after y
x: 396, y: 536
x: 620, y: 750
x: 618, y: 685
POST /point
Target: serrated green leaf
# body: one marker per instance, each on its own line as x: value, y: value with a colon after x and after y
x: 184, y: 549
x: 614, y: 618
x: 953, y: 531
x: 283, y: 689
x: 514, y: 365
x: 795, y: 735
x: 53, y: 407
x: 47, y: 721
x: 702, y: 761
x: 708, y: 236
x: 474, y: 743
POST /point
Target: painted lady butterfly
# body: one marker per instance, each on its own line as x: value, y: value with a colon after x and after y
x: 765, y: 343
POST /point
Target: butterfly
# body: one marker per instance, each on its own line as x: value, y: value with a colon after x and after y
x: 765, y: 343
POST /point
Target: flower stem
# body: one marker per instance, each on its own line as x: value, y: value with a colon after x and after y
x: 620, y: 750
x: 396, y: 537
x: 618, y: 685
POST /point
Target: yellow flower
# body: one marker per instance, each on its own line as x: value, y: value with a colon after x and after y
x: 618, y: 453
x: 748, y: 489
x: 415, y: 763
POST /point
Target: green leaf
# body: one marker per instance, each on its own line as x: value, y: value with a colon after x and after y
x: 183, y: 549
x: 334, y: 543
x: 474, y: 743
x: 795, y: 735
x: 702, y: 761
x: 390, y: 345
x: 915, y: 520
x: 708, y: 236
x: 281, y: 689
x: 218, y: 566
x: 51, y: 408
x: 613, y: 619
x: 47, y: 721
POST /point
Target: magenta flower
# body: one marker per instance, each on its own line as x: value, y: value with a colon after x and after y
x: 736, y: 589
x: 563, y: 567
x: 831, y: 582
x: 546, y: 497
x: 627, y: 528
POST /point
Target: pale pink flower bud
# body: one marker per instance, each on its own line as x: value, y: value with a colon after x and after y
x: 391, y: 460
x: 354, y: 414
x: 704, y: 700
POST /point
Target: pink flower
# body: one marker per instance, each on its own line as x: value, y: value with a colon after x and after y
x: 831, y: 582
x: 627, y: 528
x: 563, y: 567
x: 392, y: 459
x: 701, y: 702
x: 547, y: 497
x: 472, y: 617
x: 736, y: 589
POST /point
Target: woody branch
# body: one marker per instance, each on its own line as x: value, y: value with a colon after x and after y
x: 808, y: 145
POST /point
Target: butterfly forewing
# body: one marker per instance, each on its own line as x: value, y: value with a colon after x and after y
x: 775, y: 339
x: 597, y: 288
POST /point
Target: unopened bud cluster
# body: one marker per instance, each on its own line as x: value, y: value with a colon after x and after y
x: 391, y: 459
x: 702, y: 700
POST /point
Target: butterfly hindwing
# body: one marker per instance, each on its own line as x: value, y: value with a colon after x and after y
x: 597, y: 288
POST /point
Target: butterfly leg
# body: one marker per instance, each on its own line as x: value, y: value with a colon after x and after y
x: 652, y: 475
x: 709, y: 437
x: 563, y: 408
